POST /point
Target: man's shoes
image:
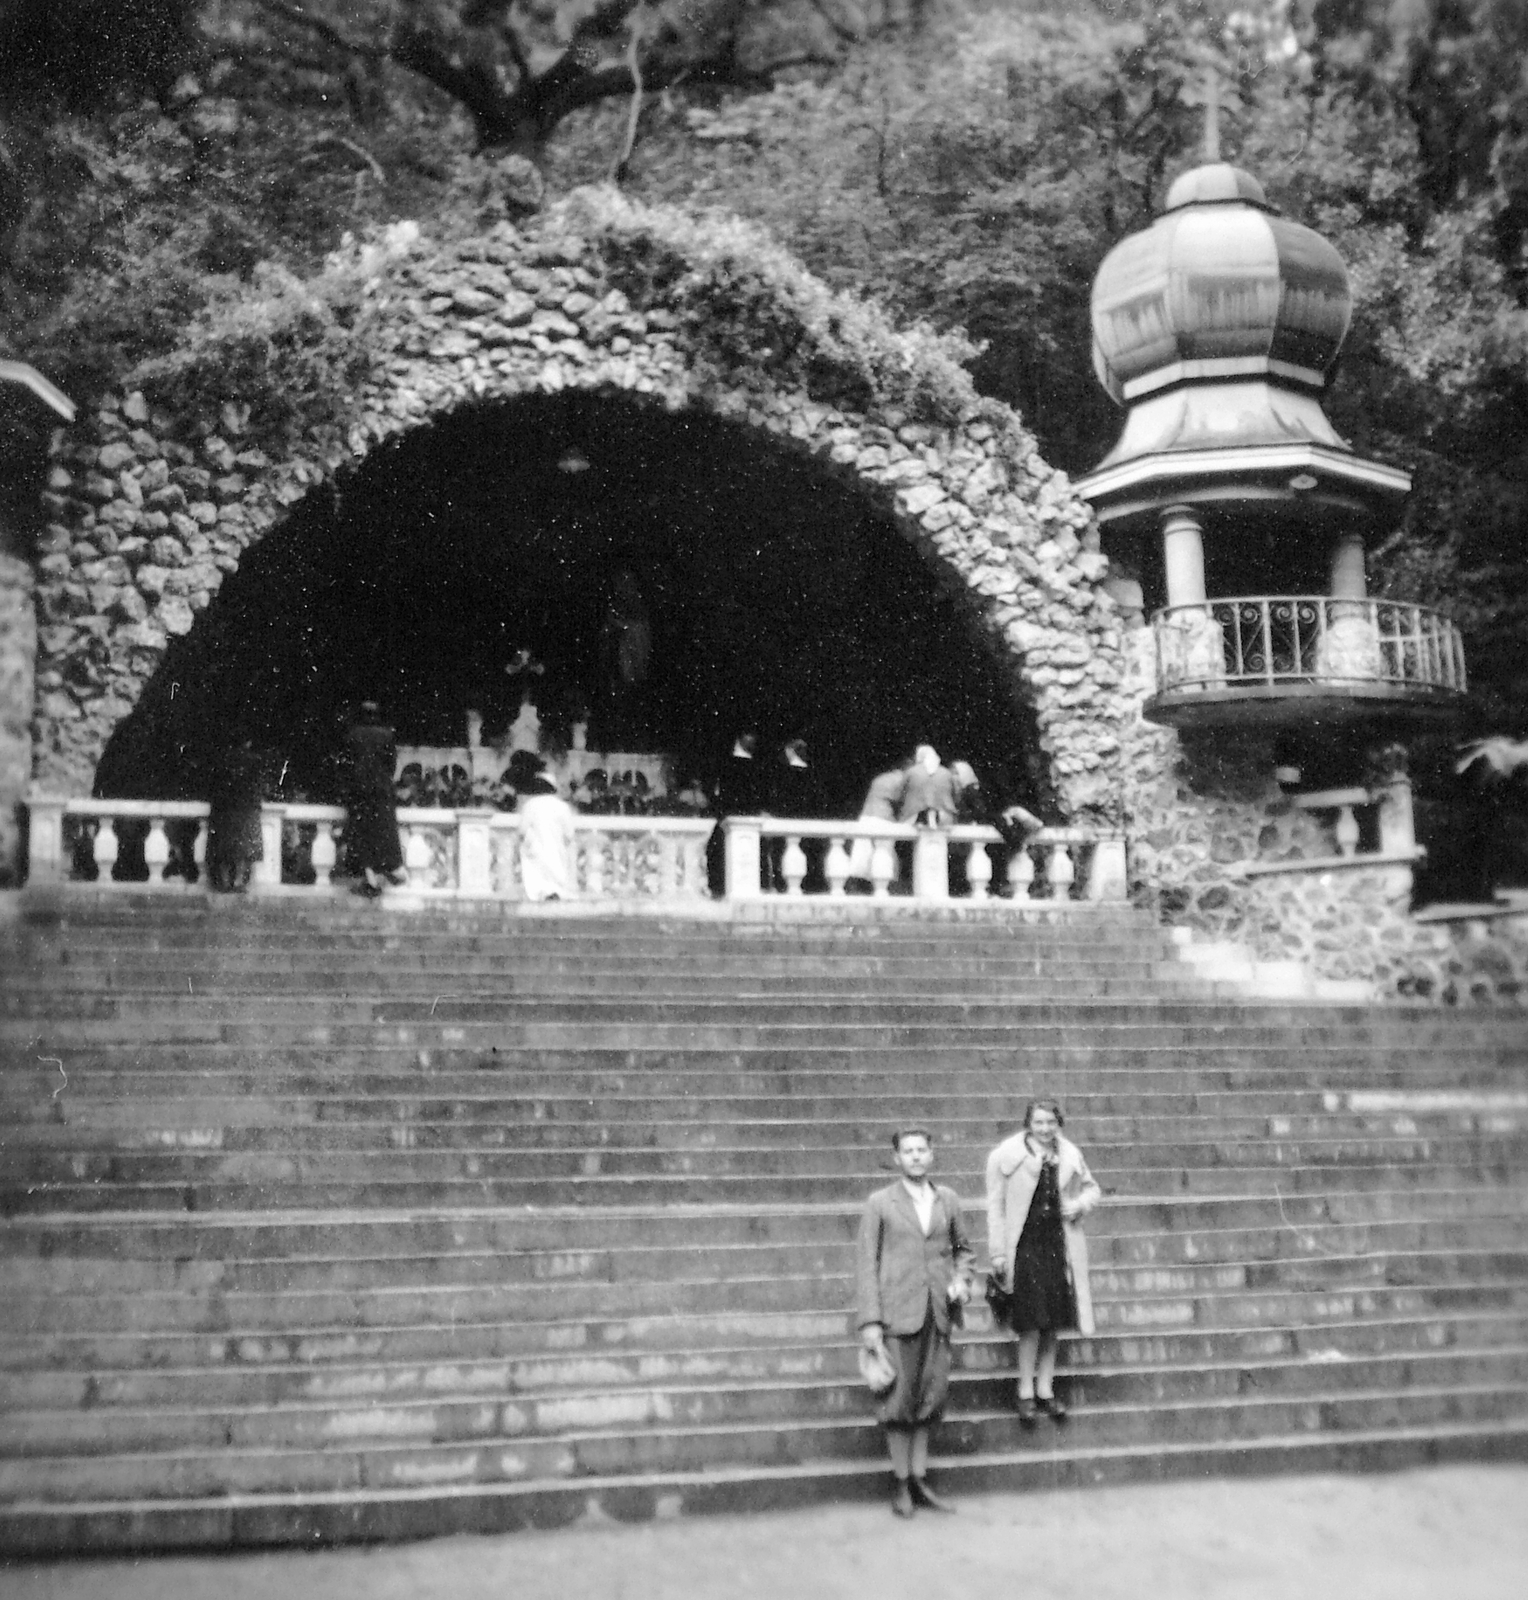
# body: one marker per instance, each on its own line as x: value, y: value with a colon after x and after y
x: 902, y: 1499
x: 1052, y: 1407
x: 1029, y: 1412
x: 924, y: 1496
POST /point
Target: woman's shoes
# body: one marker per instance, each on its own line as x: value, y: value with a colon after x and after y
x: 1052, y: 1407
x: 1029, y: 1412
x: 902, y: 1499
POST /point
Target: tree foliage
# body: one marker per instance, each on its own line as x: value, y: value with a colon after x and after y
x: 969, y: 162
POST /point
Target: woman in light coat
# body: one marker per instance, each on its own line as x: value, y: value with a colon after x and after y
x: 1038, y: 1191
x: 548, y: 843
x: 882, y: 800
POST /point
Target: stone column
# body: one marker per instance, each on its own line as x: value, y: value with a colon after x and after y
x: 18, y: 666
x: 1183, y: 553
x: 1347, y: 568
x: 1191, y: 648
x: 1349, y: 646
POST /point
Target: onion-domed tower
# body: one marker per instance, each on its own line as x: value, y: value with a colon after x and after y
x: 1218, y: 329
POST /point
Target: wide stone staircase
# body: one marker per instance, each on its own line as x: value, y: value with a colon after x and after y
x: 331, y: 1221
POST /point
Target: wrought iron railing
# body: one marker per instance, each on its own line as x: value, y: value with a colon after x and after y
x: 1274, y: 640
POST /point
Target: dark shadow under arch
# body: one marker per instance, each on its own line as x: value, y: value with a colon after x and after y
x: 775, y: 594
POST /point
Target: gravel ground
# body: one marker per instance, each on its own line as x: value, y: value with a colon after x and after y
x: 1450, y: 1533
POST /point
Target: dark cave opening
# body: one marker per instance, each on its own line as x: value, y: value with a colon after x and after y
x: 761, y: 592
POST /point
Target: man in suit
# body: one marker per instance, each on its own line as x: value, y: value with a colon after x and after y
x: 913, y: 1274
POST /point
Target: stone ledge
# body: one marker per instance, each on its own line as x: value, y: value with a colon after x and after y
x: 1380, y: 858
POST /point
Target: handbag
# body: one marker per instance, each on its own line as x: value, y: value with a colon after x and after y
x: 999, y: 1298
x: 877, y: 1370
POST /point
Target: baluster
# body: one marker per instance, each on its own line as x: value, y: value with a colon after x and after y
x: 836, y: 866
x: 267, y: 873
x: 1347, y: 831
x: 416, y: 857
x: 1108, y: 877
x: 931, y: 864
x: 690, y: 867
x: 883, y: 867
x: 1060, y: 871
x: 323, y: 854
x: 743, y: 845
x: 1021, y: 873
x: 793, y: 864
x: 594, y: 864
x: 47, y: 859
x: 978, y: 870
x: 156, y: 850
x: 668, y: 871
x: 104, y: 848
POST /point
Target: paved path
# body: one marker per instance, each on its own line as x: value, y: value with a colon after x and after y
x: 1452, y: 1533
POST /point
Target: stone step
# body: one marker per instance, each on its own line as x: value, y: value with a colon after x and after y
x: 1127, y: 1228
x: 99, y: 1127
x: 280, y: 1188
x: 1220, y: 1295
x: 836, y: 1008
x: 1099, y: 1101
x: 491, y: 1455
x: 713, y: 1341
x: 1184, y: 1360
x: 842, y: 1082
x: 688, y: 1024
x: 79, y: 906
x: 487, y: 996
x: 35, y: 1528
x: 1099, y: 1398
x: 607, y: 1244
x: 692, y: 1149
x: 1495, y: 1256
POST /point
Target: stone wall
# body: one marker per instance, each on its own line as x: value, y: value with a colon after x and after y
x: 1201, y: 804
x: 155, y: 496
x: 18, y: 651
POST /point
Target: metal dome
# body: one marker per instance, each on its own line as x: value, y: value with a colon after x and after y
x: 1219, y: 287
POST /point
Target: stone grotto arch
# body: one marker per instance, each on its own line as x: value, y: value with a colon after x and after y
x: 295, y: 402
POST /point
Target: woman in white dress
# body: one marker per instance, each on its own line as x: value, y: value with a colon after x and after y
x: 548, y: 854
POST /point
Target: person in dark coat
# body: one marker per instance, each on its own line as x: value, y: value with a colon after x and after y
x: 913, y: 1273
x: 737, y: 792
x: 791, y: 791
x: 372, y: 845
x: 975, y: 803
x: 234, y: 841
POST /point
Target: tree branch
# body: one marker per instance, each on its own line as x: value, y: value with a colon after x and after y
x: 290, y: 11
x: 634, y: 67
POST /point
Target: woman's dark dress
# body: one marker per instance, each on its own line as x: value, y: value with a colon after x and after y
x: 1042, y: 1286
x: 371, y: 829
x: 234, y: 841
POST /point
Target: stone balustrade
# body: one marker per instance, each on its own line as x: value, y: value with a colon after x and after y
x: 448, y: 853
x: 769, y: 856
x: 475, y: 854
